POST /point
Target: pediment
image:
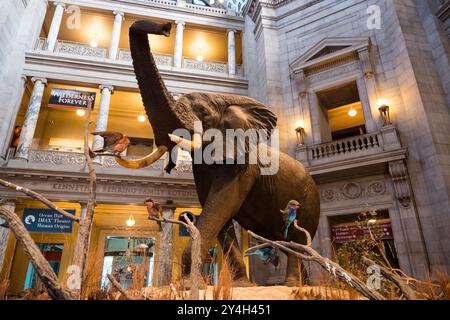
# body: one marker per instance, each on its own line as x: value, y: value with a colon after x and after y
x: 329, y: 49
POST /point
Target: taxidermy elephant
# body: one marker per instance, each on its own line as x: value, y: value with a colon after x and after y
x: 225, y: 191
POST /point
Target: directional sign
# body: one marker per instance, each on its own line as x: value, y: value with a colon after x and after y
x: 46, y: 220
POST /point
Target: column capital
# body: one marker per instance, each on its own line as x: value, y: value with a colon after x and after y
x: 180, y: 22
x: 104, y: 86
x: 59, y: 3
x: 43, y: 80
x: 231, y: 30
x: 118, y: 13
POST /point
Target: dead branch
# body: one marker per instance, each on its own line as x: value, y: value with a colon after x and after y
x: 398, y: 280
x: 38, y: 197
x: 119, y: 287
x: 85, y: 224
x: 40, y: 264
x: 308, y: 253
x: 196, y: 260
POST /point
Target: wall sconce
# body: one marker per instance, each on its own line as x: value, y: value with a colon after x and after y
x: 384, y: 112
x: 300, y: 130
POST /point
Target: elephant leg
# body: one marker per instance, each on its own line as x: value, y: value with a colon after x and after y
x: 228, y: 240
x: 228, y: 191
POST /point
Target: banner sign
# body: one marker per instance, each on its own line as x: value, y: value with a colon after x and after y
x: 64, y: 98
x: 353, y: 232
x: 46, y: 220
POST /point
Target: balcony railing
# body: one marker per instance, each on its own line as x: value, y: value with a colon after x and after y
x: 76, y: 162
x: 124, y: 55
x: 195, y: 7
x: 350, y: 148
x: 73, y: 48
x: 160, y: 59
x: 209, y: 66
x: 368, y: 143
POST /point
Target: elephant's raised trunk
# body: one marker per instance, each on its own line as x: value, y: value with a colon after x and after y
x: 157, y: 100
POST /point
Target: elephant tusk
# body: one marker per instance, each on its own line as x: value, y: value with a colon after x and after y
x: 187, y: 145
x: 143, y: 162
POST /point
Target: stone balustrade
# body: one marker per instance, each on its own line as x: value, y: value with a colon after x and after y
x: 191, y: 6
x: 73, y: 48
x: 344, y: 147
x: 350, y: 148
x: 124, y: 55
x: 209, y: 66
x: 160, y: 59
x: 75, y: 162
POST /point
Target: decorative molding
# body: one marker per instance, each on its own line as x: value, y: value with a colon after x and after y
x: 120, y: 73
x: 64, y: 159
x: 253, y: 7
x: 354, y: 190
x: 318, y: 55
x: 400, y: 179
x: 208, y: 66
x: 81, y: 49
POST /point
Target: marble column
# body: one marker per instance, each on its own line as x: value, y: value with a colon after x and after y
x: 178, y: 51
x: 165, y: 249
x: 102, y: 116
x: 115, y: 37
x: 56, y: 24
x: 231, y: 53
x: 4, y: 232
x: 31, y: 117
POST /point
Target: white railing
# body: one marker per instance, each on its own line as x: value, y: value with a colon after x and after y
x: 160, y: 59
x: 164, y: 2
x: 209, y: 66
x: 72, y: 48
x: 81, y: 49
x: 173, y: 3
x: 360, y: 145
x: 206, y: 9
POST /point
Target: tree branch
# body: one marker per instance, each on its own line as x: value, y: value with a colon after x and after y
x: 38, y: 197
x: 40, y: 264
x: 308, y: 253
x: 119, y: 287
x: 407, y: 290
x: 84, y: 228
x: 196, y: 257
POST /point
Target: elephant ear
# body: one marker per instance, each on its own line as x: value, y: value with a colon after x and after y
x: 246, y: 113
x: 224, y: 111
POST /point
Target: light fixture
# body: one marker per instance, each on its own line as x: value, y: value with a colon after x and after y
x: 384, y: 112
x: 352, y: 112
x: 199, y: 58
x: 80, y: 112
x: 141, y: 117
x: 130, y: 222
x: 300, y: 130
x: 372, y: 221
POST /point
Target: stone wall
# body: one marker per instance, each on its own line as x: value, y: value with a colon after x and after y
x: 20, y: 24
x: 410, y: 57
